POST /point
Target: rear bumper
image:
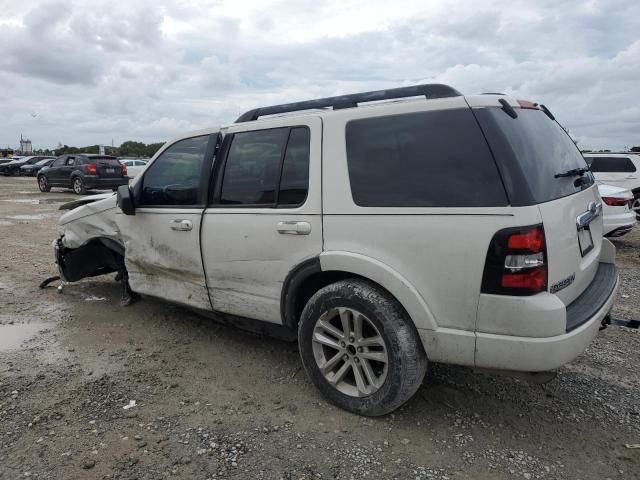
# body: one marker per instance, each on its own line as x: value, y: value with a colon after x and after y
x: 535, y: 354
x: 97, y: 182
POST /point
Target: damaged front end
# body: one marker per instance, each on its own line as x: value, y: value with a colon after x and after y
x: 90, y: 245
x: 98, y: 257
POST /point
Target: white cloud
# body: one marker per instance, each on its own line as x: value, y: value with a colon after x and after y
x: 92, y: 71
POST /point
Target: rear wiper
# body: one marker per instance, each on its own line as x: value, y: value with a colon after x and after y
x: 573, y: 172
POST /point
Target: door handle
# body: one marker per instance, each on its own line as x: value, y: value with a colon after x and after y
x: 181, y: 225
x: 294, y: 228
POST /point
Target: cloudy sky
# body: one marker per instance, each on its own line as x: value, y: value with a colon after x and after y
x: 86, y: 72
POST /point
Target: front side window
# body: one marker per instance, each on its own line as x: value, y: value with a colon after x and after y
x: 58, y: 162
x: 267, y: 168
x: 175, y: 176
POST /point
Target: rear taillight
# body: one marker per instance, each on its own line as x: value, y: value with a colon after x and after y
x: 615, y: 202
x: 91, y: 169
x: 516, y: 262
x: 123, y: 167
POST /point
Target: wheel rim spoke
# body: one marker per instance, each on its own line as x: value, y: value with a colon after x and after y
x: 345, y: 318
x: 368, y: 372
x: 327, y: 327
x: 325, y: 340
x: 339, y: 375
x: 357, y: 327
x: 331, y: 363
x: 372, y: 342
x: 377, y: 356
x: 360, y: 381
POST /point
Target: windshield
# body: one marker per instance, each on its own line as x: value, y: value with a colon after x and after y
x: 532, y: 150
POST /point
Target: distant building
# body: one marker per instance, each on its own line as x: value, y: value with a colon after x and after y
x: 25, y: 146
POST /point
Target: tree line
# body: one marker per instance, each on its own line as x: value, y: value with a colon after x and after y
x: 129, y: 148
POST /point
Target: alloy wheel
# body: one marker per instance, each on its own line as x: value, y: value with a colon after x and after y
x: 350, y: 352
x: 77, y: 186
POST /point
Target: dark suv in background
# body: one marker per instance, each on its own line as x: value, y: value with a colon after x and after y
x: 82, y: 172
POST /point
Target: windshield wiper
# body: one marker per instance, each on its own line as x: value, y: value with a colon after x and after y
x: 573, y: 172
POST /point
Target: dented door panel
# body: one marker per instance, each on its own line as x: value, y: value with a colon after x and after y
x: 163, y: 261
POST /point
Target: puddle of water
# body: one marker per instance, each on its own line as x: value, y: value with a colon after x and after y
x: 12, y: 336
x: 4, y: 223
x: 37, y: 216
x: 45, y: 201
x: 94, y: 298
x: 21, y: 200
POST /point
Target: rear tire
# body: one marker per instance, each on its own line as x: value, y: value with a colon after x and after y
x: 43, y: 184
x: 78, y: 186
x: 375, y: 367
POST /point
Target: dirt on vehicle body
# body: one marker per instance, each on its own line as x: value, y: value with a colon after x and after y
x: 214, y: 402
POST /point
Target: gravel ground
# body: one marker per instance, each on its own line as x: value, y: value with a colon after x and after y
x: 89, y: 389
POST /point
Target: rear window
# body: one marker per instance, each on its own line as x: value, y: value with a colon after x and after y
x: 611, y: 164
x: 531, y: 149
x: 103, y: 160
x: 423, y: 159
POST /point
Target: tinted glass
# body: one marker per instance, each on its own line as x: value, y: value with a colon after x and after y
x: 539, y: 148
x: 424, y: 159
x: 174, y: 178
x: 252, y: 170
x: 58, y: 162
x: 70, y: 161
x: 294, y: 182
x: 611, y: 164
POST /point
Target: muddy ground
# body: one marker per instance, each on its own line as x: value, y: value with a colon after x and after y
x: 214, y: 402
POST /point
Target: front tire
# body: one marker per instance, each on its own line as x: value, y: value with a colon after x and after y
x: 360, y: 348
x: 43, y: 184
x: 78, y: 186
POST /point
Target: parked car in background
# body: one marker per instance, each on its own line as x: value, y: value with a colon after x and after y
x: 617, y: 216
x: 82, y: 172
x: 361, y: 229
x: 13, y: 168
x: 134, y: 166
x: 620, y: 170
x: 31, y: 170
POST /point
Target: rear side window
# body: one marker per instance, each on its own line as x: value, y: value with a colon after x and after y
x: 267, y: 168
x: 531, y: 150
x: 424, y: 159
x: 611, y: 164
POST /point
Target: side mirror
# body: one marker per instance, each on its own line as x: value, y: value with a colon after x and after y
x: 125, y: 200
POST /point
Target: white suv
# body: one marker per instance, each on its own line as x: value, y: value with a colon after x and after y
x: 619, y: 170
x: 384, y: 229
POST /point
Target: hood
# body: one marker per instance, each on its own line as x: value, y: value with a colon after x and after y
x: 87, y: 206
x: 611, y: 191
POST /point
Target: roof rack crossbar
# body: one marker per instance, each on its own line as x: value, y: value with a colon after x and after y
x: 430, y: 91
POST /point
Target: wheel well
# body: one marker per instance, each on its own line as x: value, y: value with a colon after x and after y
x: 299, y: 293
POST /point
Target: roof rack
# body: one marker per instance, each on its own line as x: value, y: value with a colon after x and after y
x: 430, y: 91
